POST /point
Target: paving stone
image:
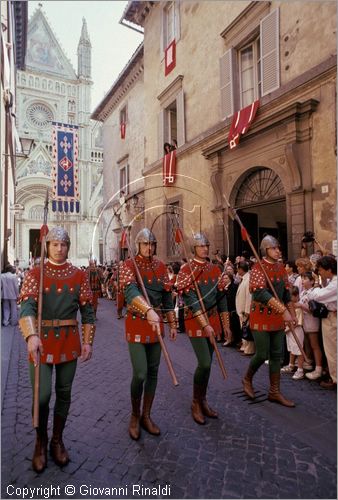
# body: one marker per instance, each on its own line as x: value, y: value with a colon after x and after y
x: 251, y: 451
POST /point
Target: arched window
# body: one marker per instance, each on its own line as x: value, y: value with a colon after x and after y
x: 261, y: 185
x: 36, y: 212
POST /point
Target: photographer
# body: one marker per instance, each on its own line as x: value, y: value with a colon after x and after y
x: 327, y: 267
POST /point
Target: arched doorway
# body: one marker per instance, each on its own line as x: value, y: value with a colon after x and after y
x: 260, y: 202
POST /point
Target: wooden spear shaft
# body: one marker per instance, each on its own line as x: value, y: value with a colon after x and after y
x: 235, y: 216
x: 36, y: 392
x: 200, y: 300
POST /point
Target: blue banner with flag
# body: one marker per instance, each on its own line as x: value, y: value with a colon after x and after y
x: 65, y: 172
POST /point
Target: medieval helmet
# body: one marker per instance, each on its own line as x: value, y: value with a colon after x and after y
x: 198, y: 240
x: 58, y: 233
x: 145, y: 236
x: 268, y: 242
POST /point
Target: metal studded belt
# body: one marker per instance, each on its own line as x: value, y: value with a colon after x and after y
x: 58, y: 322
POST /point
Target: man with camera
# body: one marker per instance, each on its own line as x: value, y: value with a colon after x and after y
x: 327, y: 268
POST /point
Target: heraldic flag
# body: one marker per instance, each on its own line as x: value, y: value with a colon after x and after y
x: 169, y: 168
x: 65, y: 172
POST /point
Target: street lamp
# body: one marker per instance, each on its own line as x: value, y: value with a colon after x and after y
x: 26, y: 146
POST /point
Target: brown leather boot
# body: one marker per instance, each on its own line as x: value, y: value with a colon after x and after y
x: 57, y: 448
x: 146, y: 421
x: 247, y: 383
x: 274, y: 394
x: 134, y: 424
x: 196, y: 405
x: 206, y: 410
x: 39, y: 460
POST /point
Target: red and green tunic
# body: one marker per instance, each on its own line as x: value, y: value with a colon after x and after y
x: 65, y: 290
x: 262, y: 316
x: 209, y: 280
x: 157, y: 284
x: 95, y: 280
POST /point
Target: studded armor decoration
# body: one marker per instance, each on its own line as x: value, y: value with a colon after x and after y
x: 140, y: 305
x: 88, y: 333
x: 65, y: 291
x: 159, y: 290
x: 266, y: 313
x: 225, y: 320
x: 171, y: 318
x: 28, y: 326
x: 276, y: 305
x: 207, y: 277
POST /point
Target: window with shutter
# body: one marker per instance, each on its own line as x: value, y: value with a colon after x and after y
x: 270, y: 52
x: 170, y: 29
x: 123, y: 114
x: 250, y: 68
x: 227, y: 87
x: 124, y: 180
x: 171, y: 119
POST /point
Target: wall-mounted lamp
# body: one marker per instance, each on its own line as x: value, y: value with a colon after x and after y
x: 26, y: 146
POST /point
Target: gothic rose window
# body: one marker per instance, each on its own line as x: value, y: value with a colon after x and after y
x: 39, y: 115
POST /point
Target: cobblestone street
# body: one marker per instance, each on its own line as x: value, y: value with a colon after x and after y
x: 260, y: 450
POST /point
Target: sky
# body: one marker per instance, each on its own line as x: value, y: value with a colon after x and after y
x: 112, y: 44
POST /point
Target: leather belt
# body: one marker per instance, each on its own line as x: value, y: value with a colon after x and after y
x: 58, y: 322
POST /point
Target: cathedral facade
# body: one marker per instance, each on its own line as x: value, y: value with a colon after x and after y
x: 50, y: 90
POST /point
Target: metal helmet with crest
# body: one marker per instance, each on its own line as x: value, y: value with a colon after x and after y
x: 268, y: 242
x: 145, y: 236
x: 58, y: 233
x: 198, y: 240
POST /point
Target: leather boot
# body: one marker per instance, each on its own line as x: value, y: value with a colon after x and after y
x: 206, y: 410
x: 274, y: 394
x: 134, y: 424
x: 247, y: 383
x: 57, y: 448
x: 39, y: 460
x: 146, y: 421
x: 196, y: 405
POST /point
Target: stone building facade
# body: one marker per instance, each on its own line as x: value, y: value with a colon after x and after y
x: 122, y: 115
x: 281, y: 178
x: 13, y: 43
x: 49, y: 89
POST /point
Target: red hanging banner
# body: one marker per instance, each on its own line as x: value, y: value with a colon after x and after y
x: 170, y: 58
x: 241, y: 122
x: 169, y: 168
x: 123, y: 127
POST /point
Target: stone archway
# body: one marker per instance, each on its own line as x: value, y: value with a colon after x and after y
x: 260, y: 200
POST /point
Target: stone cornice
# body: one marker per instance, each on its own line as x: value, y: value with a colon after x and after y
x: 137, y: 11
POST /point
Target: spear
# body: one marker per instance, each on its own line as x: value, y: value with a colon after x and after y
x: 179, y: 239
x: 146, y: 297
x: 43, y: 234
x: 246, y: 237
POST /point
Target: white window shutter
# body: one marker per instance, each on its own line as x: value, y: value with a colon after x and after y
x: 177, y: 21
x: 270, y: 74
x: 227, y: 84
x: 180, y: 119
x: 161, y: 132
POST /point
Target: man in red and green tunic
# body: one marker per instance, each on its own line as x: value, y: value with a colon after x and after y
x: 267, y: 318
x: 141, y: 323
x: 200, y: 327
x: 65, y: 291
x: 95, y: 281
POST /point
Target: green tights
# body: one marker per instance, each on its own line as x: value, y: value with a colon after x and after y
x: 65, y: 373
x: 204, y: 351
x: 145, y: 360
x: 269, y: 345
